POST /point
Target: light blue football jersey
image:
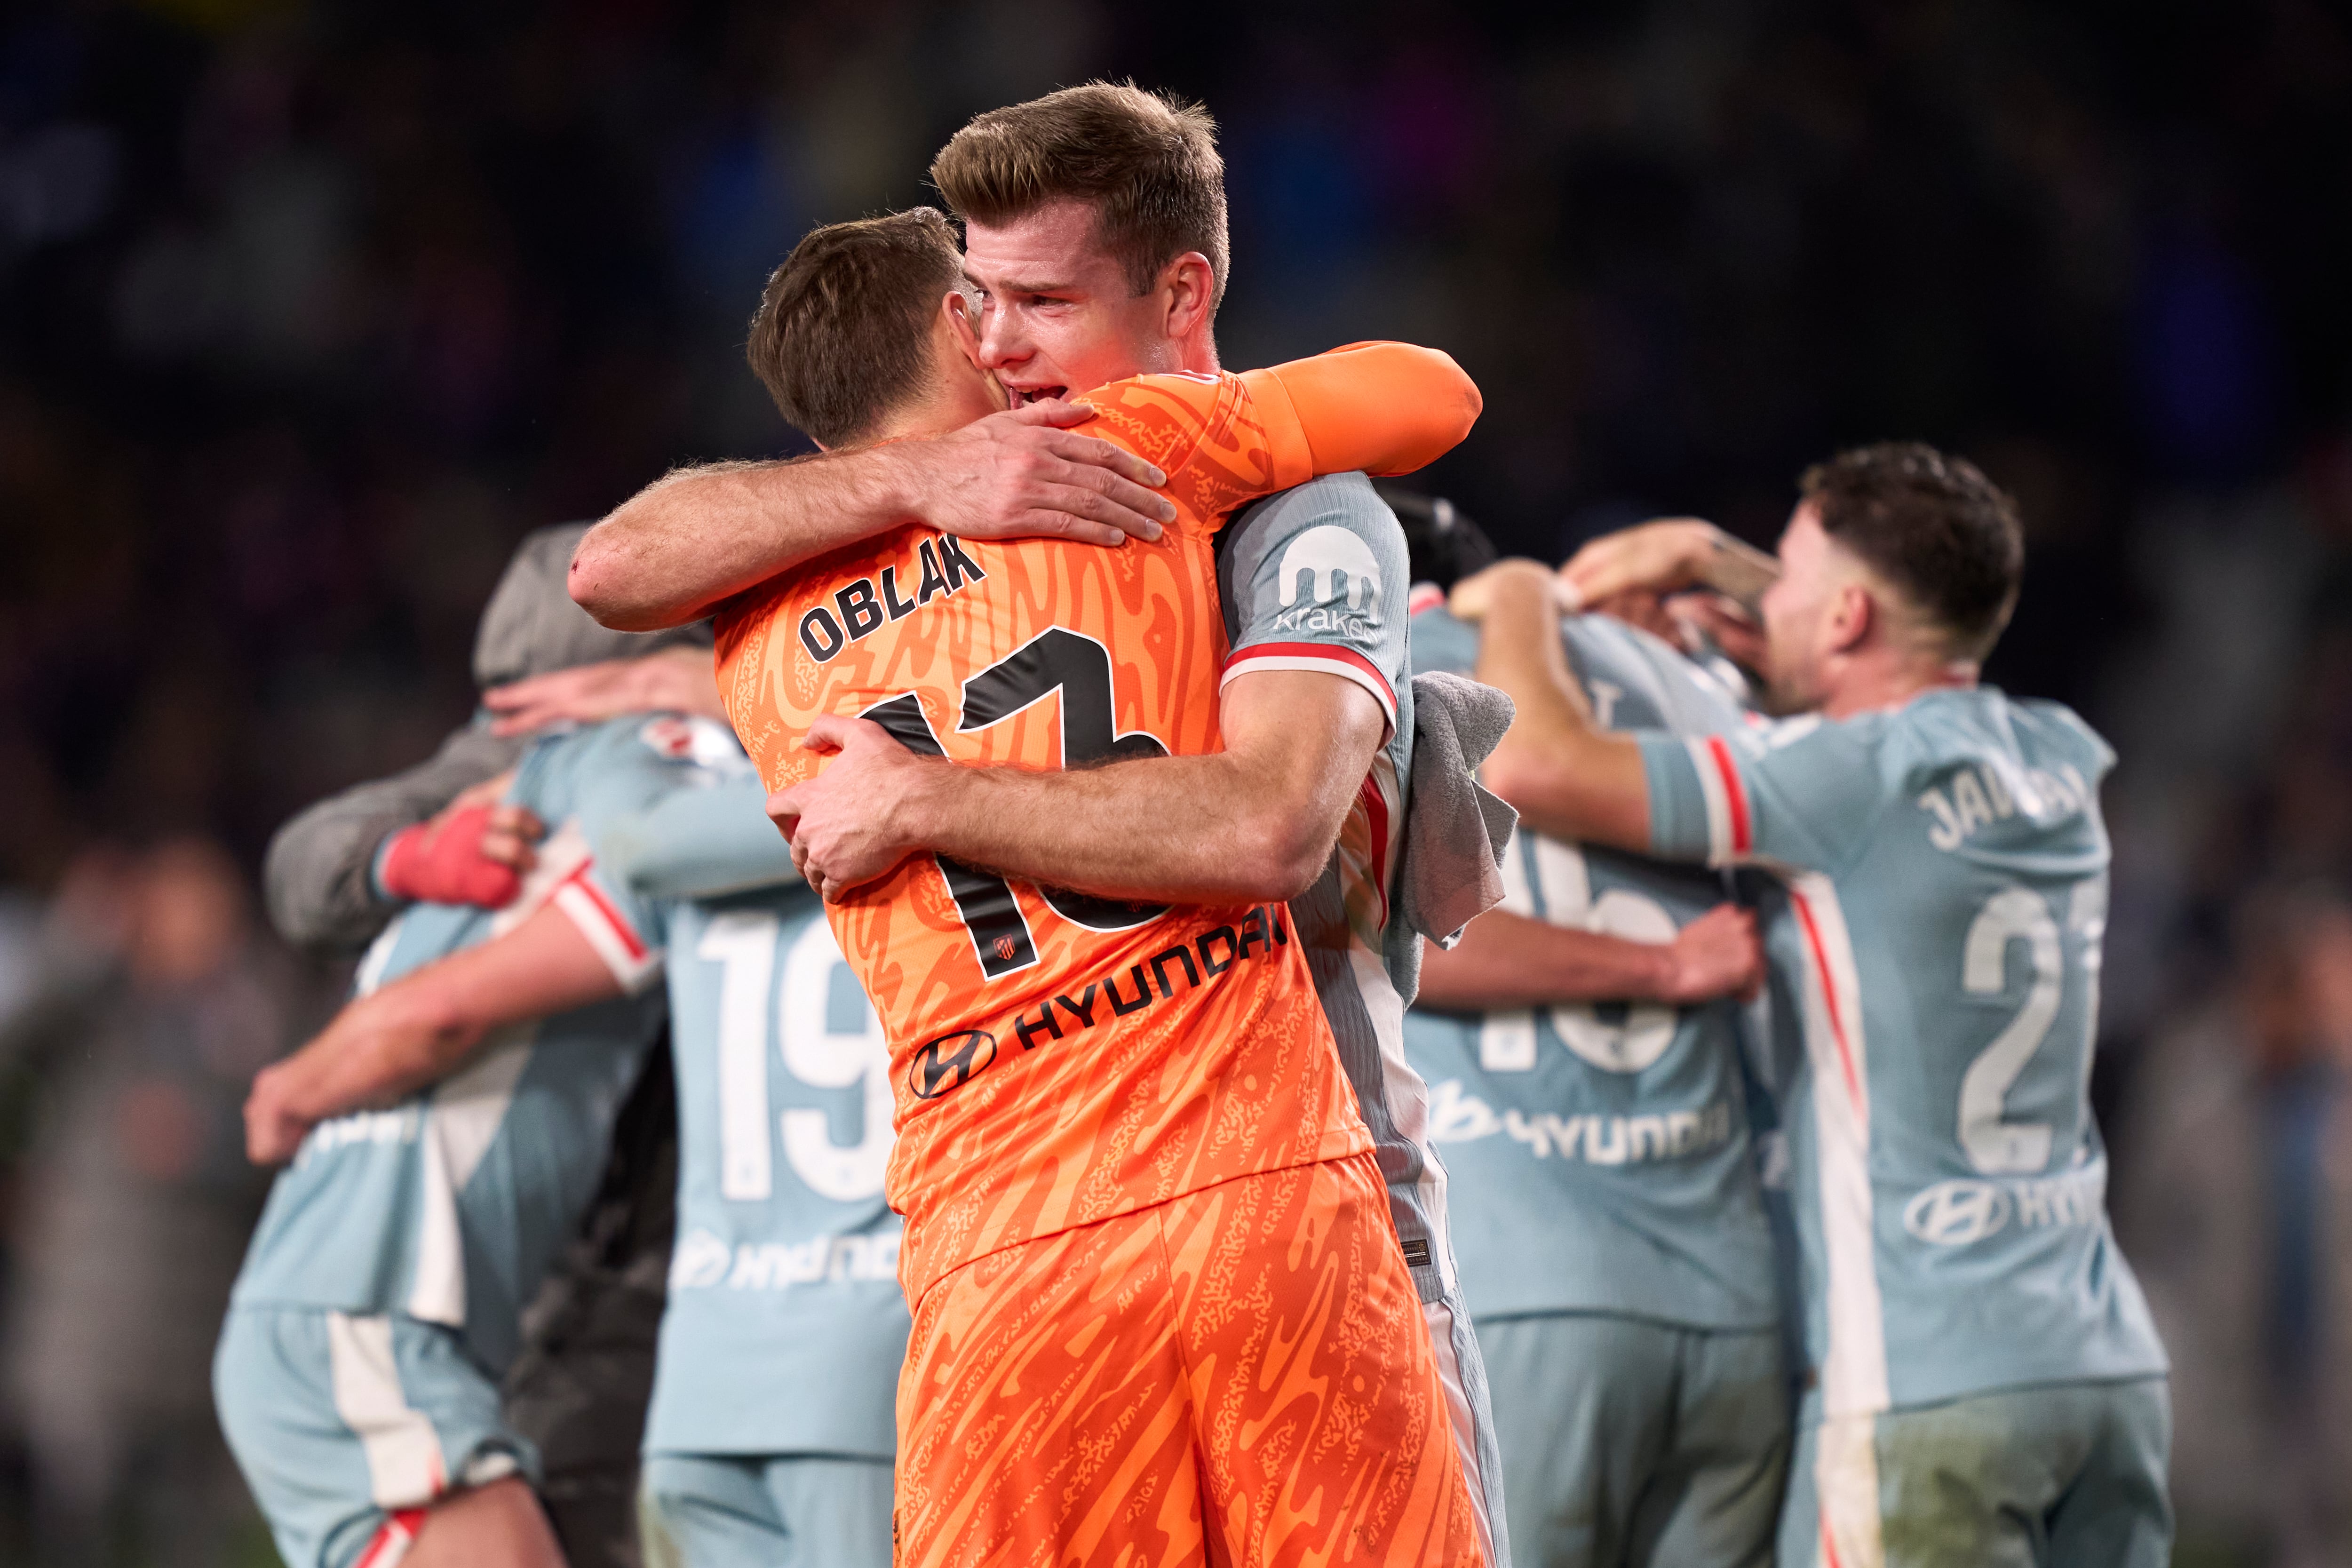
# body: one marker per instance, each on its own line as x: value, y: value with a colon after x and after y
x: 451, y: 1207
x: 1315, y: 579
x: 785, y: 1324
x: 1945, y: 875
x: 1600, y: 1156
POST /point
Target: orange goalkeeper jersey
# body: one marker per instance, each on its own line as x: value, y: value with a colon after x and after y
x: 1059, y: 1059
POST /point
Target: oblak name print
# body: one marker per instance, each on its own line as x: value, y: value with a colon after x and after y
x: 941, y: 569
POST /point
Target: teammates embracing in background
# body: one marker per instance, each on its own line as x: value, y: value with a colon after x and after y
x: 1729, y: 1195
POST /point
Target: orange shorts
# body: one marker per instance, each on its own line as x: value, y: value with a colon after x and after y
x: 1241, y: 1375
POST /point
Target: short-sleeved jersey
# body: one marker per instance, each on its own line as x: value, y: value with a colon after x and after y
x: 1315, y: 579
x: 452, y: 1206
x: 1600, y: 1154
x: 1059, y: 1059
x: 784, y: 1324
x: 1945, y: 866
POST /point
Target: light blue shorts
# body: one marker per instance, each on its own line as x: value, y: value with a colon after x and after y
x: 1631, y: 1442
x: 758, y: 1511
x: 2070, y: 1474
x: 340, y: 1421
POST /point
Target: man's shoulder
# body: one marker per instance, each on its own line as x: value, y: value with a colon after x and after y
x: 1348, y: 499
x: 1647, y: 683
x: 1155, y: 397
x: 550, y: 774
x: 1982, y: 724
x: 2046, y: 725
x: 1331, y: 541
x: 1162, y: 417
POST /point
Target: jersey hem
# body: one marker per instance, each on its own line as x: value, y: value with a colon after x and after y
x: 1811, y: 1414
x: 726, y: 1451
x: 1764, y: 1325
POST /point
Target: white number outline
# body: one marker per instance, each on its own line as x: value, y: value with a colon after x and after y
x: 1506, y: 1039
x: 743, y: 943
x: 1996, y: 1147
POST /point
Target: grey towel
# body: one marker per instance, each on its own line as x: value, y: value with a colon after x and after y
x: 1455, y: 833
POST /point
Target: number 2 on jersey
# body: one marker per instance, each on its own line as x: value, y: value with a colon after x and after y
x: 1995, y: 1147
x: 743, y: 943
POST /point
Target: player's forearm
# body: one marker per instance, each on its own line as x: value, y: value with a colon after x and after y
x: 1199, y: 830
x: 382, y: 1048
x: 697, y: 844
x: 1385, y: 408
x: 678, y: 547
x: 1510, y: 961
x: 1566, y: 775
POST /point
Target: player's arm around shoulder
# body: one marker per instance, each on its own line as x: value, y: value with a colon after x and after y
x: 699, y: 837
x: 1506, y: 960
x: 1253, y: 822
x: 423, y: 1027
x: 1566, y: 776
x: 1384, y: 408
x: 1308, y: 699
x: 673, y: 552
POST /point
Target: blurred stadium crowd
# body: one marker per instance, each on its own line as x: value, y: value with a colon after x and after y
x: 307, y: 313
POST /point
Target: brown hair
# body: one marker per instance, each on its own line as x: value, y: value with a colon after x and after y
x: 1147, y: 162
x: 842, y: 332
x: 1934, y: 527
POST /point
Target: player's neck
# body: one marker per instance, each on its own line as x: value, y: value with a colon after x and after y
x: 924, y: 417
x: 1198, y: 351
x: 1195, y: 352
x: 1882, y: 679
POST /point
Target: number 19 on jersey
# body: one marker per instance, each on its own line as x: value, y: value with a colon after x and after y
x: 809, y: 1046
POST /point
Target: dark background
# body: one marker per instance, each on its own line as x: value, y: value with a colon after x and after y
x: 307, y: 312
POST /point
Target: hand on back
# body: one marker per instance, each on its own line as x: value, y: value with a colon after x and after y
x: 272, y: 1131
x: 841, y: 823
x: 676, y: 679
x: 1718, y: 954
x: 1021, y: 474
x: 475, y: 851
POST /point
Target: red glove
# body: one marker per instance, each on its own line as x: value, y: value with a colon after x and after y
x: 445, y: 866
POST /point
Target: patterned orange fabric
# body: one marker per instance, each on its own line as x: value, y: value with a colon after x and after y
x: 1056, y: 1058
x: 1241, y: 1375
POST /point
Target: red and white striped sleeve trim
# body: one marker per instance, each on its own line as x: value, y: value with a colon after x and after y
x: 625, y: 953
x: 1345, y: 663
x: 1730, y: 824
x: 392, y: 1539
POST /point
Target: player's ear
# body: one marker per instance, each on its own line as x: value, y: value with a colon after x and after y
x: 1852, y: 615
x: 958, y: 310
x: 1190, y: 287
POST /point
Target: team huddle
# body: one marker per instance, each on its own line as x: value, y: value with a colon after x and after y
x: 1141, y: 1097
